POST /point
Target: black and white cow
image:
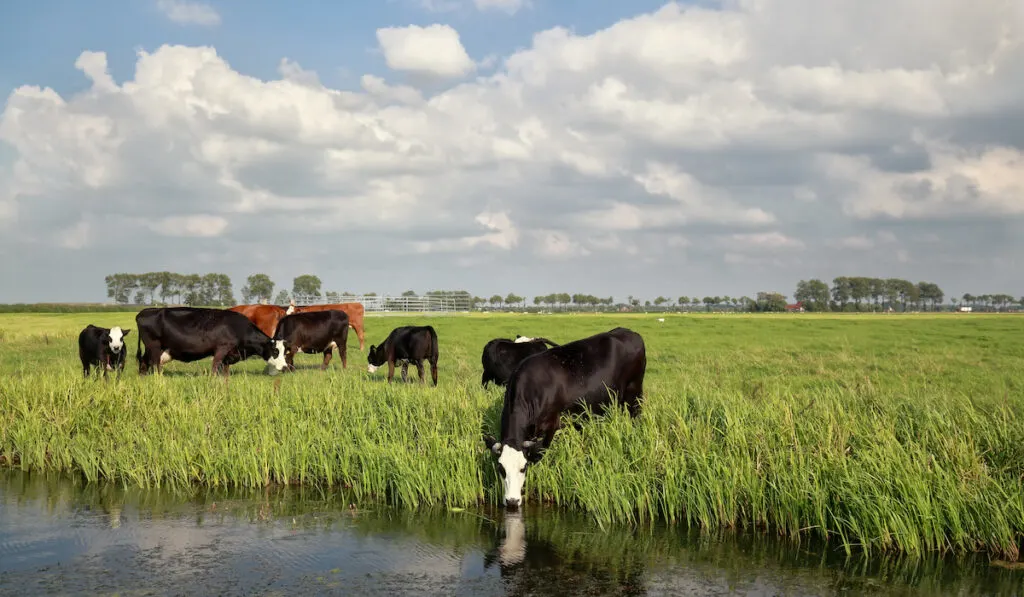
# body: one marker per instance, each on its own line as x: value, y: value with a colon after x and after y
x: 191, y: 333
x: 500, y: 356
x: 103, y: 348
x: 561, y: 380
x: 404, y: 345
x: 312, y: 332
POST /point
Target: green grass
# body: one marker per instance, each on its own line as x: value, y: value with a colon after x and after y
x: 877, y: 432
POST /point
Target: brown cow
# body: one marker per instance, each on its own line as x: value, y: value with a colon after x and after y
x: 264, y: 316
x: 353, y: 310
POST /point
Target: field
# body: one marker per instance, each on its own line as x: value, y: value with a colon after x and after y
x: 873, y: 432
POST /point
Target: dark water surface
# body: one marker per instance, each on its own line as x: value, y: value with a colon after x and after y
x: 59, y: 535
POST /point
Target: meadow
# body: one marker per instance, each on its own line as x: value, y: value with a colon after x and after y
x: 872, y: 432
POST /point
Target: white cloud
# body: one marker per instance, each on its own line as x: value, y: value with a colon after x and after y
x: 687, y: 136
x: 434, y: 50
x: 506, y: 6
x: 185, y: 12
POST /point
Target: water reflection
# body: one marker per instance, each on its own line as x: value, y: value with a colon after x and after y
x: 58, y: 535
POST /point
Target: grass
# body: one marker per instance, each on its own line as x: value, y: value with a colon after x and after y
x: 874, y: 432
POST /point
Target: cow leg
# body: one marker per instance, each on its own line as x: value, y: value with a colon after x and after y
x: 421, y: 372
x: 359, y: 333
x: 343, y: 349
x: 433, y: 370
x: 328, y: 353
x: 633, y: 391
x: 218, y: 362
x: 85, y: 369
x: 405, y: 371
x: 391, y: 369
x: 484, y: 379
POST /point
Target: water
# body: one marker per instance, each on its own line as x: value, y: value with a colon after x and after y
x: 59, y: 535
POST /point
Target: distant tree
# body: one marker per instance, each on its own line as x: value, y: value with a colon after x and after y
x: 282, y: 298
x: 306, y: 287
x: 496, y: 299
x: 258, y: 288
x: 332, y: 296
x: 120, y: 287
x: 513, y: 299
x: 408, y: 293
x: 813, y: 293
x: 683, y: 300
x: 768, y: 302
x: 660, y: 301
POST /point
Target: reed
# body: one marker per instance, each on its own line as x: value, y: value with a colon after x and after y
x: 894, y: 433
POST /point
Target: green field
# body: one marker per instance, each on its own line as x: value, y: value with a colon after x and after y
x: 872, y: 431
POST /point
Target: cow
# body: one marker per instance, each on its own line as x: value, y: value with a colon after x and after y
x: 561, y: 380
x: 191, y: 333
x: 353, y: 310
x: 264, y: 316
x: 317, y: 331
x: 500, y: 357
x: 103, y: 348
x: 404, y: 345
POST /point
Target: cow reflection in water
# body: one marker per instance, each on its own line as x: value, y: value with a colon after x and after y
x: 537, y: 566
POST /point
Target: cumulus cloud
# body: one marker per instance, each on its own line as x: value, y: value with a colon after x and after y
x: 433, y: 50
x: 185, y: 12
x: 782, y: 138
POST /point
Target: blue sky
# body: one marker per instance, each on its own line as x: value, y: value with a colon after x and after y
x: 656, y: 148
x: 335, y: 39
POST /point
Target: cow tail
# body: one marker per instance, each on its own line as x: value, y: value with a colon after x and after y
x: 546, y: 341
x: 433, y: 343
x: 138, y: 346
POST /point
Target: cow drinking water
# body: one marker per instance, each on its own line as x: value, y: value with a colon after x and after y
x: 313, y: 332
x: 103, y: 348
x: 561, y: 380
x: 192, y: 333
x: 404, y: 345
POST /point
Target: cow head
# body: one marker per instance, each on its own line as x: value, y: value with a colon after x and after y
x: 115, y: 339
x: 521, y: 339
x: 512, y: 462
x: 273, y: 354
x: 375, y: 358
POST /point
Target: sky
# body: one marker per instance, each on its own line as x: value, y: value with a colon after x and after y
x: 720, y: 147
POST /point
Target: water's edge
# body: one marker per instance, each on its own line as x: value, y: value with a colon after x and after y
x: 59, y: 534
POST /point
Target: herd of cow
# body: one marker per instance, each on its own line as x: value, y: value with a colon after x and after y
x: 542, y: 379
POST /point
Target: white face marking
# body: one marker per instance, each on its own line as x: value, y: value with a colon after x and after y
x: 514, y: 463
x: 291, y: 309
x: 277, y: 362
x: 371, y: 368
x: 523, y: 339
x: 116, y: 339
x: 165, y: 357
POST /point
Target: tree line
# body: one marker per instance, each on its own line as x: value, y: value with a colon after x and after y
x: 845, y: 294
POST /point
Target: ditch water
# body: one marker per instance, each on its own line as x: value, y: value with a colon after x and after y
x: 59, y: 535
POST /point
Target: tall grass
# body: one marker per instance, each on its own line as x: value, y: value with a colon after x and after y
x: 879, y: 433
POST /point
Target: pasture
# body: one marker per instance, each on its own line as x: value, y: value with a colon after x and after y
x: 893, y: 432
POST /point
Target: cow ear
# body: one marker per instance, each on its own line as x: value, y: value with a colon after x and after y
x: 126, y: 331
x: 532, y: 450
x: 372, y: 347
x: 493, y: 444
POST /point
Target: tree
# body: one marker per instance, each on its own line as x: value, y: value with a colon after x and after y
x: 409, y: 293
x: 683, y: 300
x: 496, y: 299
x: 282, y: 298
x: 306, y: 287
x: 513, y: 299
x: 813, y: 293
x: 660, y: 301
x: 332, y: 296
x: 120, y: 287
x: 770, y: 302
x: 258, y: 288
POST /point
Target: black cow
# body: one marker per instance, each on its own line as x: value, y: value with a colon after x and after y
x: 560, y: 380
x: 404, y: 345
x: 103, y: 348
x: 312, y: 332
x: 191, y: 333
x: 500, y: 357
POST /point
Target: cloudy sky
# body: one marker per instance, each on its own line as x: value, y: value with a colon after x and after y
x: 535, y: 146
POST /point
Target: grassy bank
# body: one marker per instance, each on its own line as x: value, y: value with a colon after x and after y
x: 883, y: 432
